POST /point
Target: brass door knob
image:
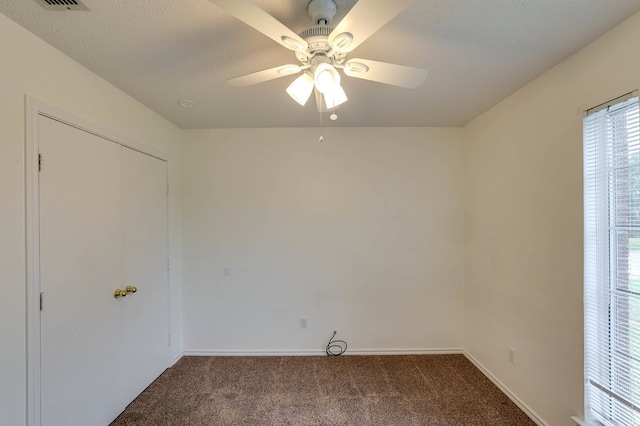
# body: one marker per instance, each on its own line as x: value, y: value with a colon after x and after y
x: 130, y: 289
x: 119, y: 293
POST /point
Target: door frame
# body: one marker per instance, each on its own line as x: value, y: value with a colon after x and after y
x: 35, y: 108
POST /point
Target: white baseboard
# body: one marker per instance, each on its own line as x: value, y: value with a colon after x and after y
x: 438, y: 351
x: 524, y: 407
x: 200, y: 352
x: 176, y: 359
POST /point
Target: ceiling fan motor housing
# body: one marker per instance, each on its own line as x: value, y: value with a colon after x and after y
x: 318, y: 44
x: 322, y: 11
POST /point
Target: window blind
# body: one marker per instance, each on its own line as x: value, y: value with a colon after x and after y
x: 612, y: 262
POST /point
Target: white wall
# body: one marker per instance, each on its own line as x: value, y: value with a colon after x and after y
x: 30, y: 66
x: 361, y: 233
x: 524, y: 218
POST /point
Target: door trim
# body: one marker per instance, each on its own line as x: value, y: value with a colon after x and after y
x: 35, y: 108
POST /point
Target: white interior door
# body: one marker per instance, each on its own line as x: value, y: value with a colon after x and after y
x: 103, y: 225
x: 145, y: 254
x: 80, y: 266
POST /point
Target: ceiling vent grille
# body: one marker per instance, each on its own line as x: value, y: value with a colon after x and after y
x: 62, y: 5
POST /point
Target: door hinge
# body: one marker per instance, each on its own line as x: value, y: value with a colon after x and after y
x: 39, y: 162
x: 168, y: 265
x: 41, y: 300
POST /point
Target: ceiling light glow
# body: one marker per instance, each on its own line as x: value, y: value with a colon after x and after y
x: 326, y: 78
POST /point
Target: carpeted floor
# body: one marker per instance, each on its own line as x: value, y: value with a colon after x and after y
x: 346, y: 390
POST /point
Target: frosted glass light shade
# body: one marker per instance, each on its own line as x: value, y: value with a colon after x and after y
x: 301, y: 88
x: 326, y: 77
x: 335, y: 97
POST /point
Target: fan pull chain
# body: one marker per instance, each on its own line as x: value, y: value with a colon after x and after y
x: 333, y: 115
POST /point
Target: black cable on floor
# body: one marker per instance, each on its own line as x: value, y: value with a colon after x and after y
x: 336, y: 347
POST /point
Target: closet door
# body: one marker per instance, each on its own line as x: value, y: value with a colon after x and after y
x: 80, y: 266
x: 144, y: 253
x: 103, y: 226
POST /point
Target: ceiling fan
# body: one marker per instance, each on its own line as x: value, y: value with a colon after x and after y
x: 322, y: 49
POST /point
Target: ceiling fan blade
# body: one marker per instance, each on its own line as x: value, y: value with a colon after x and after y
x: 365, y: 18
x: 265, y: 75
x: 383, y: 72
x: 247, y: 12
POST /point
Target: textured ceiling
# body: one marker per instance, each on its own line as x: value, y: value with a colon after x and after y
x: 477, y: 53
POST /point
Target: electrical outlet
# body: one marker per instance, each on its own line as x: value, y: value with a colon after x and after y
x: 512, y: 355
x: 303, y: 322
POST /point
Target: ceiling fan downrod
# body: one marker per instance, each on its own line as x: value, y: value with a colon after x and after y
x: 322, y: 11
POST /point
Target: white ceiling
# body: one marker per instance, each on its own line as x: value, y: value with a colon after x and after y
x: 477, y: 53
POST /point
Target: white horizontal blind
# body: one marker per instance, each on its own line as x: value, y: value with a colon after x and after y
x: 612, y: 262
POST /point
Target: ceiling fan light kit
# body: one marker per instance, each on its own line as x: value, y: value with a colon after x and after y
x: 335, y: 98
x: 301, y: 88
x: 323, y: 50
x: 325, y: 75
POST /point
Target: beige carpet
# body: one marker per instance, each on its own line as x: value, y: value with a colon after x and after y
x: 345, y: 390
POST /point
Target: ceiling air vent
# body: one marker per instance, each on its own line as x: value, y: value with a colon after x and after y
x: 62, y: 5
